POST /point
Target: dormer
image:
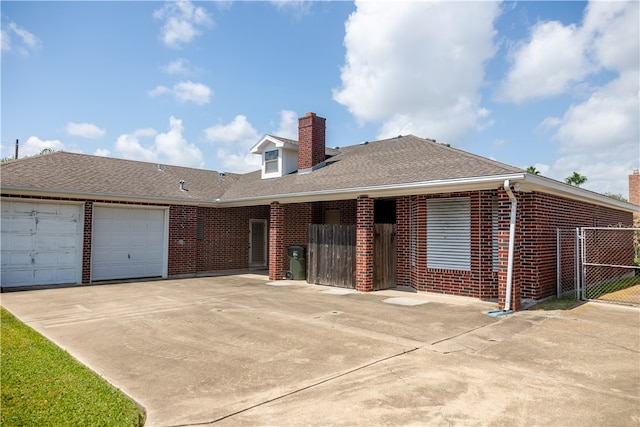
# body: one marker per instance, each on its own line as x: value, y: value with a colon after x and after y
x: 279, y: 156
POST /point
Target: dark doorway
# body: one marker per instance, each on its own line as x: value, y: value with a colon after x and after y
x: 384, y: 211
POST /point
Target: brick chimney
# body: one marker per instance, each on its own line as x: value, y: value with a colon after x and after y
x: 311, y: 141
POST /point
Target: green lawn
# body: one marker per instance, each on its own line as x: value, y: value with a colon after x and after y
x: 42, y: 385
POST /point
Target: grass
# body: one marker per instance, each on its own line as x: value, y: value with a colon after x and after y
x: 565, y: 302
x: 43, y: 385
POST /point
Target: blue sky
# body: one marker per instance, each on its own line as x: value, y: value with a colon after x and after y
x: 549, y: 84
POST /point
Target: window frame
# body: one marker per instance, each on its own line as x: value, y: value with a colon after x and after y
x: 268, y: 162
x: 449, y: 233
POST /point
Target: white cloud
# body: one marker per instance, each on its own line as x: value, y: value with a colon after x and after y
x: 299, y: 8
x: 548, y: 64
x: 197, y: 93
x: 158, y: 91
x: 238, y: 132
x: 129, y: 147
x: 169, y: 147
x: 186, y: 91
x: 103, y: 152
x: 177, y: 66
x: 599, y: 137
x: 288, y: 127
x: 417, y: 67
x: 238, y: 162
x: 557, y: 58
x: 233, y: 141
x: 85, y: 130
x: 614, y: 27
x: 182, y: 22
x: 35, y: 145
x: 25, y: 44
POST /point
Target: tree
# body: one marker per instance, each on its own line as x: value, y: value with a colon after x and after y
x: 576, y: 179
x: 533, y: 170
x: 616, y: 196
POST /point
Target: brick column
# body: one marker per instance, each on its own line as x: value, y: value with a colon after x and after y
x: 276, y: 241
x: 504, y: 216
x: 364, y: 244
x: 403, y: 245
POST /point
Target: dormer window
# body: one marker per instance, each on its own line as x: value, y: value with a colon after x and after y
x: 271, y: 161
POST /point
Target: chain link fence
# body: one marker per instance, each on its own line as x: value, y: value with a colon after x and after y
x: 608, y: 269
x: 567, y: 262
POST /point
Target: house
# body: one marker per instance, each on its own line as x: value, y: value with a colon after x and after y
x: 463, y: 224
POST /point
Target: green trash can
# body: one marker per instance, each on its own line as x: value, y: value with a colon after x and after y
x: 297, y: 262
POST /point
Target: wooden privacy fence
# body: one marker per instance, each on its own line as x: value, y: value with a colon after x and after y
x: 331, y: 255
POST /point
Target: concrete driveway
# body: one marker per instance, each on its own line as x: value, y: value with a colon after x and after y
x: 239, y: 350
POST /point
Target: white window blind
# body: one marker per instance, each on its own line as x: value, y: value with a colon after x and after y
x: 449, y: 233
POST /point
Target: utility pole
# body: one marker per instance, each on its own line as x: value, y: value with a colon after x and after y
x: 16, y: 157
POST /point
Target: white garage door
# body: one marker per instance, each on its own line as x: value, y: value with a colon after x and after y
x: 41, y: 243
x: 128, y: 243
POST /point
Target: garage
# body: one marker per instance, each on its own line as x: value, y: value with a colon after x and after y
x: 128, y: 242
x: 41, y: 243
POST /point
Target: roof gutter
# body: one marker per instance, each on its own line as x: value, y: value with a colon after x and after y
x: 106, y: 197
x: 406, y: 189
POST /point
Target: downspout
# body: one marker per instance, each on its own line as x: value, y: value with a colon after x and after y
x: 512, y: 238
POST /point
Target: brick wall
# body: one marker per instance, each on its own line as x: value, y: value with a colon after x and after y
x: 183, y: 245
x: 225, y: 240
x: 534, y: 274
x: 541, y: 214
x: 347, y: 210
x: 311, y: 140
x: 480, y: 282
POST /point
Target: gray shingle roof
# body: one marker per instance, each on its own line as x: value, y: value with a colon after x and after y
x: 408, y: 159
x: 395, y: 161
x: 83, y: 174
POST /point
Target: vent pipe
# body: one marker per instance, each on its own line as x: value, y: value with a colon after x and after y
x: 182, y: 185
x: 16, y: 157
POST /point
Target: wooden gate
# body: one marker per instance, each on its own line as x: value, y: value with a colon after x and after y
x: 331, y: 255
x: 384, y: 256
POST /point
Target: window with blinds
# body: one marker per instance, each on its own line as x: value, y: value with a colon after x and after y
x: 449, y: 233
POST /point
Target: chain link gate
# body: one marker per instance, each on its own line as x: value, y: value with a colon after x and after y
x: 568, y: 262
x: 607, y: 264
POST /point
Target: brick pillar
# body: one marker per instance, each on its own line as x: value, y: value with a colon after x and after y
x: 86, y: 242
x: 276, y: 241
x: 364, y: 244
x: 504, y: 216
x: 403, y: 242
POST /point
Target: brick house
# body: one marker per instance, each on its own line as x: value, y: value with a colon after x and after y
x: 465, y: 225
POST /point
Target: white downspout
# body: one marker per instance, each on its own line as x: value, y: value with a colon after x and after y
x: 512, y: 238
